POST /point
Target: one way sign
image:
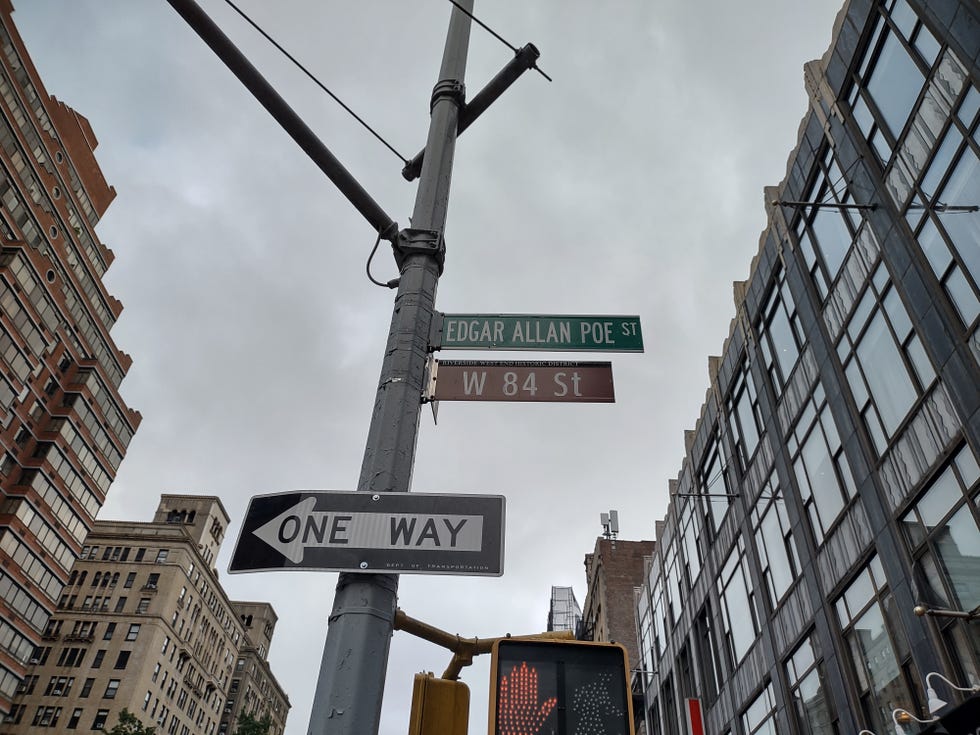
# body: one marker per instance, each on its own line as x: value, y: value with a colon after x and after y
x: 398, y: 533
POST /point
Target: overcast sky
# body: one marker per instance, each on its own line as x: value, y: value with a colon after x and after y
x: 632, y: 184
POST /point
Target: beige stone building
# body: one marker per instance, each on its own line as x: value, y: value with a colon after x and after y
x: 144, y: 624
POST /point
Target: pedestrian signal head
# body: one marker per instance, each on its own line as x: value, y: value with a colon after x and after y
x: 542, y: 687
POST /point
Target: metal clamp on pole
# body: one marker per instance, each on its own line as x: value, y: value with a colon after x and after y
x: 417, y: 241
x: 524, y: 59
x: 452, y: 89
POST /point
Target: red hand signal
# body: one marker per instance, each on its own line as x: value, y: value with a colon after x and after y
x: 518, y: 707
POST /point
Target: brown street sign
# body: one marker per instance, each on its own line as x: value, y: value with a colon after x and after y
x: 524, y: 381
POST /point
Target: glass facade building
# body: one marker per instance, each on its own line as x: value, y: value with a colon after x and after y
x: 830, y: 485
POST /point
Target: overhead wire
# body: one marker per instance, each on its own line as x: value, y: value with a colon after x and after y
x: 496, y: 35
x: 316, y: 81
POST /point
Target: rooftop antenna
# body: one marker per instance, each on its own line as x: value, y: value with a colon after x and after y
x: 610, y: 524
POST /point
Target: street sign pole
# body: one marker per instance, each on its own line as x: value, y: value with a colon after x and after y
x: 350, y: 687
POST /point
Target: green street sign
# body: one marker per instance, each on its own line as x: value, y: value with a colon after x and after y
x: 538, y: 332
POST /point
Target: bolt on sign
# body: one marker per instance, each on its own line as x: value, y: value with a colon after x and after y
x: 542, y: 333
x: 397, y: 533
x: 522, y: 381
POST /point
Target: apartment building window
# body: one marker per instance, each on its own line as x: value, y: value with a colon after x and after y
x: 713, y: 484
x: 706, y: 648
x: 71, y: 656
x: 99, y: 656
x: 162, y: 555
x: 46, y: 717
x: 877, y: 648
x: 822, y: 472
x: 645, y: 640
x: 949, y: 234
x: 744, y: 418
x: 659, y: 630
x: 737, y: 605
x: 100, y: 719
x: 152, y: 581
x: 122, y: 660
x: 59, y: 686
x: 130, y: 579
x: 942, y: 533
x: 675, y: 601
x: 143, y: 606
x: 27, y: 685
x: 690, y: 530
x: 120, y: 604
x: 76, y: 715
x: 87, y: 688
x: 140, y: 553
x: 780, y: 333
x: 134, y: 630
x: 810, y: 702
x: 884, y: 361
x: 760, y: 716
x: 111, y: 688
x: 774, y: 541
x: 146, y: 699
x: 110, y: 628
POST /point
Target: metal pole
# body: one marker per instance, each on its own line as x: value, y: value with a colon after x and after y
x: 350, y: 688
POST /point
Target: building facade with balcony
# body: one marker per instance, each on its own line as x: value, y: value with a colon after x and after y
x: 830, y: 486
x: 63, y: 427
x: 144, y: 624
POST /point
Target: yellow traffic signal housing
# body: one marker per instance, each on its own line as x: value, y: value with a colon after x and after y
x: 439, y: 707
x: 543, y: 687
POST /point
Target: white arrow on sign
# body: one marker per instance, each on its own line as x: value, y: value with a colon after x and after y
x: 301, y: 527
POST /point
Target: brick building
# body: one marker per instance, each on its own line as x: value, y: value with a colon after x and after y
x: 63, y: 427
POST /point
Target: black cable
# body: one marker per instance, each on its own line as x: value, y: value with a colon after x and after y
x: 315, y: 80
x: 496, y: 35
x: 393, y: 283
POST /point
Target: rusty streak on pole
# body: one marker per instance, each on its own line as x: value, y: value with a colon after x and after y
x: 350, y: 688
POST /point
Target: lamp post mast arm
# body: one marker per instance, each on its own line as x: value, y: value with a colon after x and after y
x: 350, y: 687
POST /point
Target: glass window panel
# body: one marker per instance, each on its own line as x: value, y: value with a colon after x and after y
x: 895, y: 84
x: 833, y: 238
x: 877, y: 431
x: 927, y: 45
x: 862, y: 116
x: 966, y: 463
x: 962, y: 295
x: 963, y: 228
x: 859, y: 593
x: 940, y: 162
x: 897, y: 314
x: 886, y: 374
x: 959, y: 550
x: 854, y: 380
x: 935, y: 248
x: 773, y: 548
x: 920, y: 361
x: 932, y: 579
x: 861, y: 314
x: 969, y: 106
x: 881, y: 146
x: 904, y: 18
x: 813, y: 707
x: 822, y: 480
x: 872, y: 648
